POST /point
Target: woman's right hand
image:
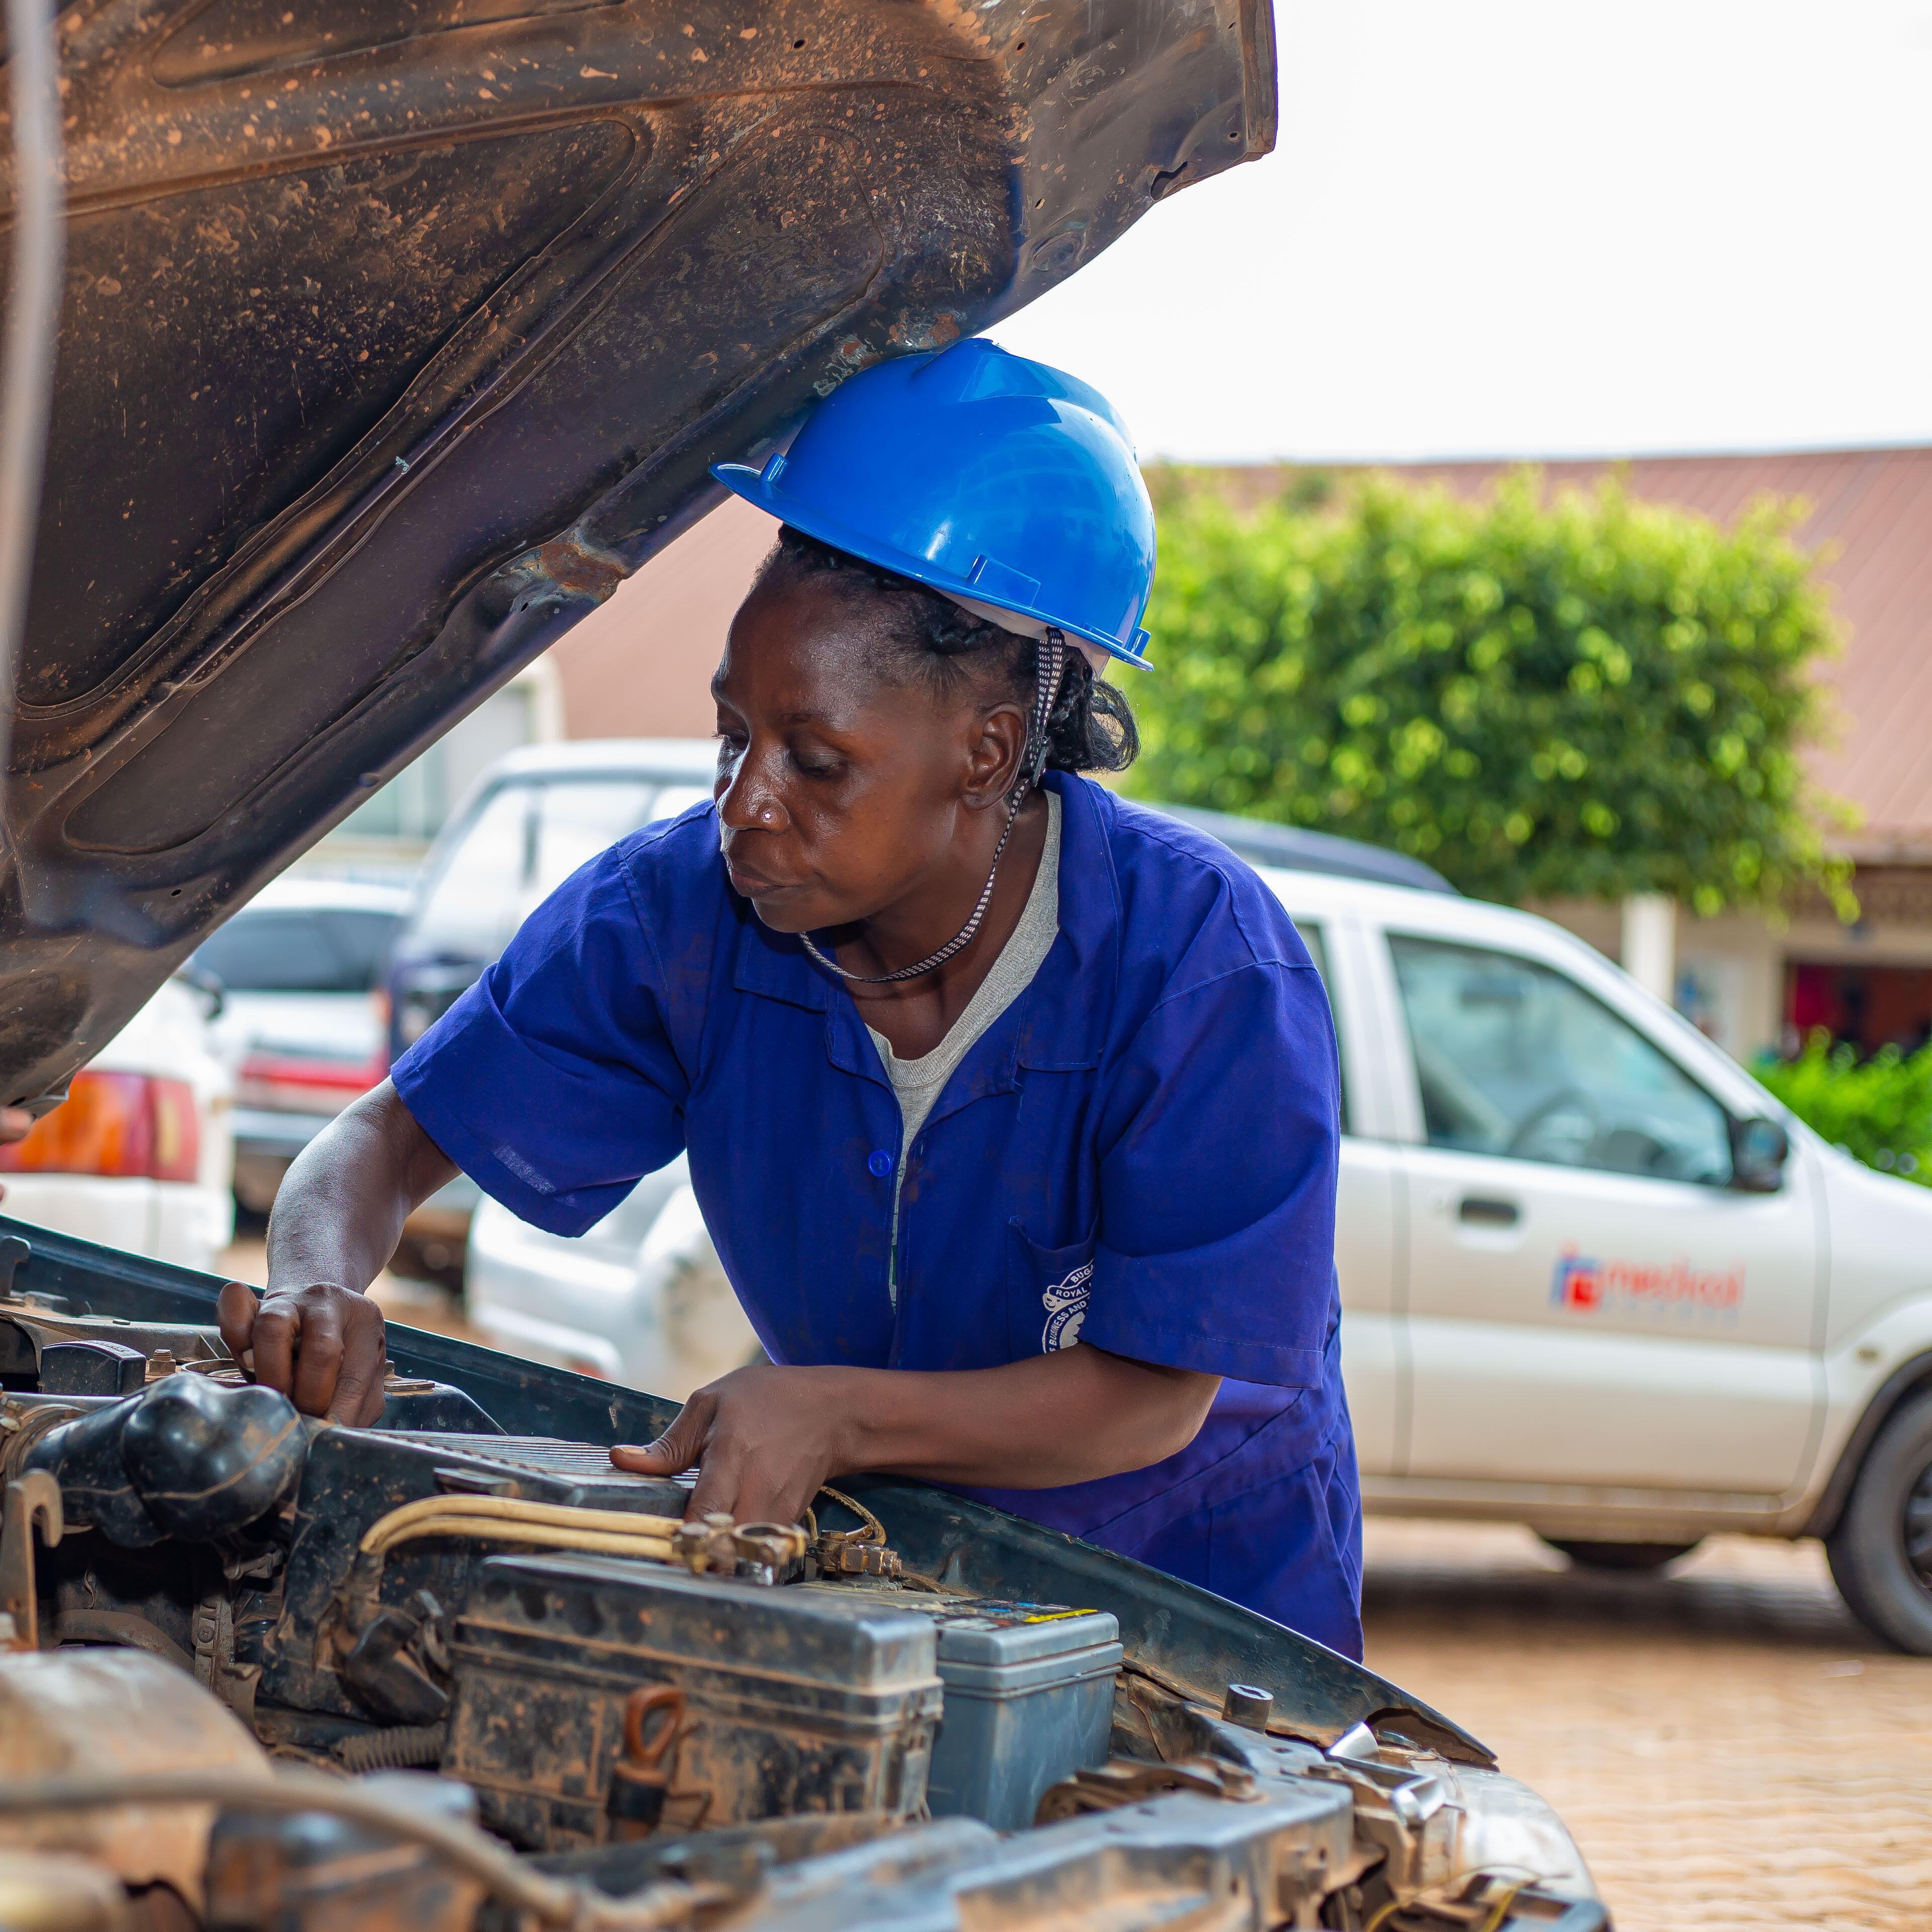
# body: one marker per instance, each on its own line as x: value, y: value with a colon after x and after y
x: 324, y: 1347
x: 337, y: 1217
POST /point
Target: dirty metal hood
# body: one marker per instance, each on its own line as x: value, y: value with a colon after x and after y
x: 396, y: 335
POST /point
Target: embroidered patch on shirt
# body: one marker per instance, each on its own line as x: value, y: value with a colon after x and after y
x: 1066, y: 1302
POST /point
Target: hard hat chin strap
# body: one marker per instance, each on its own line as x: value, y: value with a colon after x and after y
x: 1050, y: 674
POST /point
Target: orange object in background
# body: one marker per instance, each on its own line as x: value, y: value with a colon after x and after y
x: 132, y: 1124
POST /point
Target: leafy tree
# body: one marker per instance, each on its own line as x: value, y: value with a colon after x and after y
x: 1593, y: 696
x: 1879, y: 1110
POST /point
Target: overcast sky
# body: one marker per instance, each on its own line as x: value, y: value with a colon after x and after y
x: 1539, y: 227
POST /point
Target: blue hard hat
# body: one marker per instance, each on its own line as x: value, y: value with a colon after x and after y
x: 994, y: 480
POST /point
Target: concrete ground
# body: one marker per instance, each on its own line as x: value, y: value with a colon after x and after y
x: 1728, y: 1746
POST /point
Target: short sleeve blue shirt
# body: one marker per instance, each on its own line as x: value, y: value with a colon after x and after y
x: 1139, y: 1153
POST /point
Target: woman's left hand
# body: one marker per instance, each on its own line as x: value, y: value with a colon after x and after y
x: 763, y: 1438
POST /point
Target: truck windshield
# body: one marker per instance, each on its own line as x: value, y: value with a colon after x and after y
x: 1514, y: 1058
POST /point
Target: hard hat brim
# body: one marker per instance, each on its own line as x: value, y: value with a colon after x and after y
x: 753, y: 485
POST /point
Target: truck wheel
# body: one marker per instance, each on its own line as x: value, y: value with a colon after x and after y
x: 1881, y: 1552
x: 1619, y: 1555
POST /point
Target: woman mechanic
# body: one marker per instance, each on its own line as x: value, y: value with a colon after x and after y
x: 1011, y: 1108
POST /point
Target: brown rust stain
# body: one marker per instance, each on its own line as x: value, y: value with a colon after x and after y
x: 918, y: 331
x: 578, y: 568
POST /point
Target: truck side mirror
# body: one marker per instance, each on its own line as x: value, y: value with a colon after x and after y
x: 1760, y: 1147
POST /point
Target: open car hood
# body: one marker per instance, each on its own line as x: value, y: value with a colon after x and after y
x: 395, y: 336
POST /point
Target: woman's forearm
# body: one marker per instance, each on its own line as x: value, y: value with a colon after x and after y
x: 766, y: 1438
x: 341, y: 1209
x: 1072, y: 1416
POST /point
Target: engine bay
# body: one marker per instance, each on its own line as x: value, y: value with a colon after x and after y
x: 438, y: 1673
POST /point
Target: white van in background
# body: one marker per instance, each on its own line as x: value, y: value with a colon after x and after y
x: 528, y: 821
x: 525, y: 826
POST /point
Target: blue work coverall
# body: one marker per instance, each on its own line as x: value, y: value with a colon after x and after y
x: 1140, y: 1153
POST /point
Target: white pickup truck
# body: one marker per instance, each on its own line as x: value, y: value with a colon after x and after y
x: 1594, y: 1278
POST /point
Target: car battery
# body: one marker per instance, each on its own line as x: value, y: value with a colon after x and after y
x: 1029, y: 1701
x: 780, y: 1699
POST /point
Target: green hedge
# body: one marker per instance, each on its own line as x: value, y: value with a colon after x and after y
x: 1592, y: 696
x: 1878, y: 1110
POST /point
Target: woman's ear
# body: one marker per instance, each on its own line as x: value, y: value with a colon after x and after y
x: 994, y: 755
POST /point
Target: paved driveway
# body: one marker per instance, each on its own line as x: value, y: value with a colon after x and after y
x: 1728, y: 1746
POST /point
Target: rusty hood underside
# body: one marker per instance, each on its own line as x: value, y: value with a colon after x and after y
x: 396, y: 333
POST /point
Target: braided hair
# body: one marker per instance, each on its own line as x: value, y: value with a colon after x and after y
x: 927, y: 638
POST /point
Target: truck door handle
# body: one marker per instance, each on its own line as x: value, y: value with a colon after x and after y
x: 1479, y: 1210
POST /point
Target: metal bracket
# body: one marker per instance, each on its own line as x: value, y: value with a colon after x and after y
x: 760, y: 1553
x: 1414, y: 1796
x: 13, y: 1252
x: 1123, y: 1781
x: 34, y: 1496
x: 837, y: 1559
x: 214, y: 1627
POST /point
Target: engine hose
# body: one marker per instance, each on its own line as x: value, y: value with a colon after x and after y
x: 545, y: 1536
x: 504, y: 1877
x: 499, y: 1520
x: 389, y: 1529
x: 23, y: 1427
x: 404, y: 1747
